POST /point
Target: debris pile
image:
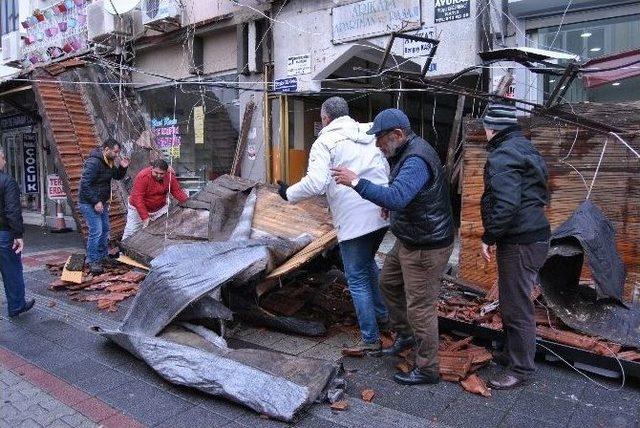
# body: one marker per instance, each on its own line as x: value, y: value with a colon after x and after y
x: 459, y: 360
x: 107, y: 290
x: 460, y: 305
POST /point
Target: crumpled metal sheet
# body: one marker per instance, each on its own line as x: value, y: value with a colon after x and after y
x: 270, y: 383
x: 598, y: 312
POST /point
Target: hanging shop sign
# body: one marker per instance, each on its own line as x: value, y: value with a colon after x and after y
x: 198, y: 124
x: 370, y: 18
x: 55, y: 190
x: 298, y: 65
x: 288, y: 84
x: 16, y: 121
x: 451, y: 10
x: 30, y: 157
x: 54, y: 32
x: 412, y: 48
x: 167, y: 137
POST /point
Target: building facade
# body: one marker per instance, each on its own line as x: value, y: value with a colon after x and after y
x: 605, y: 33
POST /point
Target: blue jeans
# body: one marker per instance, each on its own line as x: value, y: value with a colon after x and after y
x: 358, y: 256
x: 11, y: 269
x: 98, y: 239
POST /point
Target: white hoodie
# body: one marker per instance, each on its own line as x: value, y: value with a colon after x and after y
x: 344, y: 142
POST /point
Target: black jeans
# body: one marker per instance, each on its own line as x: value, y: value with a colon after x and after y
x: 518, y: 266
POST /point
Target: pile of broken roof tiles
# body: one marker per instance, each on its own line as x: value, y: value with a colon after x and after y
x: 483, y: 311
x: 107, y: 290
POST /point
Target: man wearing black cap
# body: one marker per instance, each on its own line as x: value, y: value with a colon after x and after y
x: 513, y: 217
x: 417, y: 200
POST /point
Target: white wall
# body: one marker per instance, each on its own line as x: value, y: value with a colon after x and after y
x: 305, y: 27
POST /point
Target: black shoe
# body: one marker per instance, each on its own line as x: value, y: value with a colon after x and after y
x: 109, y: 262
x: 400, y: 344
x: 501, y: 358
x: 416, y: 377
x: 96, y: 268
x: 27, y: 305
x: 507, y: 381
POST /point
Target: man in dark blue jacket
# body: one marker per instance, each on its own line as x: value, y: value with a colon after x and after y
x: 417, y: 201
x: 513, y: 217
x: 95, y: 195
x: 11, y: 243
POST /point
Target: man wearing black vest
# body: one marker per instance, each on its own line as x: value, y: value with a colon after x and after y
x: 513, y: 217
x: 417, y: 201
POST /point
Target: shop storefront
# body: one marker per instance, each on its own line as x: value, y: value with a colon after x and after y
x: 29, y: 160
x: 196, y: 130
x: 22, y: 148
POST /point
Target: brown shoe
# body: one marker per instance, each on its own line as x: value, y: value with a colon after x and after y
x: 362, y: 347
x: 507, y: 381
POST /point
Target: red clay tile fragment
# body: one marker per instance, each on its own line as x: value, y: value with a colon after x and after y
x: 368, y: 394
x: 476, y: 385
x: 340, y: 405
x: 352, y: 353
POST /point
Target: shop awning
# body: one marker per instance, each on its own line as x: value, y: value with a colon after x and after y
x: 613, y: 68
x: 369, y: 52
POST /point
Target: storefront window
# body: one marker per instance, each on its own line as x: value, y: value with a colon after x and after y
x: 589, y: 40
x: 196, y: 154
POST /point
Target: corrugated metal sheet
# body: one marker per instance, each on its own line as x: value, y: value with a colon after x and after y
x: 74, y: 135
x: 616, y: 190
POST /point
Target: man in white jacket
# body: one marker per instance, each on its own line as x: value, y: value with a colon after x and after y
x: 360, y: 224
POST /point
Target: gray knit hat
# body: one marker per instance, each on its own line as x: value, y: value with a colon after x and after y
x: 499, y: 116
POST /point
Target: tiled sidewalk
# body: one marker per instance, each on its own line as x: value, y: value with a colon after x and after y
x: 32, y: 397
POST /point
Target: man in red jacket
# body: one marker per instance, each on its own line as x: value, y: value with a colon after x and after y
x: 148, y: 199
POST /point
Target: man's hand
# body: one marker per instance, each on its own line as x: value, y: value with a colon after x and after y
x: 18, y: 245
x: 124, y: 162
x: 343, y: 175
x: 384, y: 213
x: 145, y: 222
x: 99, y: 207
x: 282, y: 191
x: 487, y: 251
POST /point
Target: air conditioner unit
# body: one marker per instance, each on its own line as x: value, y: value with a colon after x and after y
x: 101, y: 24
x: 158, y: 11
x: 11, y: 47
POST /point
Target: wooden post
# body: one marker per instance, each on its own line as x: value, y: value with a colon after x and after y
x: 242, y: 138
x: 453, y: 138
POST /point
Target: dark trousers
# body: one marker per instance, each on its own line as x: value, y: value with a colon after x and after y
x: 11, y: 269
x: 518, y: 266
x: 410, y: 284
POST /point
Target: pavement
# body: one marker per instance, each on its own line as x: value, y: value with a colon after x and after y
x: 54, y: 372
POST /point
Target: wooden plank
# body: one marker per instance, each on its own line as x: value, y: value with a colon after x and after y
x: 453, y: 139
x: 129, y: 261
x: 68, y: 275
x: 242, y: 139
x: 616, y: 190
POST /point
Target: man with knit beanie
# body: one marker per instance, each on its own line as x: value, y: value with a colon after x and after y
x: 514, y: 221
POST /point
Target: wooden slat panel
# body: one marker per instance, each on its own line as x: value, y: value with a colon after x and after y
x: 616, y: 190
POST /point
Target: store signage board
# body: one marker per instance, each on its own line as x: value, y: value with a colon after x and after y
x: 55, y: 190
x: 370, y: 18
x: 198, y: 124
x: 298, y: 65
x: 167, y: 136
x: 451, y: 10
x: 412, y: 48
x: 16, y: 121
x: 288, y: 84
x: 30, y: 157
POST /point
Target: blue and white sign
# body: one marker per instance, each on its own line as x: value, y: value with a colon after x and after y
x: 289, y: 84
